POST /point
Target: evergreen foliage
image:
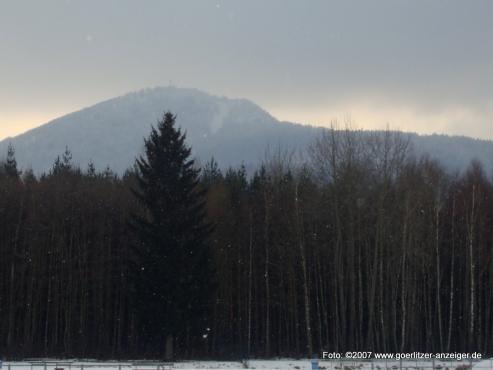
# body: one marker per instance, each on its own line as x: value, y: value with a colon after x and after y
x: 174, y: 281
x: 10, y: 165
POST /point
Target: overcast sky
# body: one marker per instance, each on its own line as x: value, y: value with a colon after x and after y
x: 424, y: 66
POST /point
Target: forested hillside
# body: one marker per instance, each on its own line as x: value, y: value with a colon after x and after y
x: 362, y: 247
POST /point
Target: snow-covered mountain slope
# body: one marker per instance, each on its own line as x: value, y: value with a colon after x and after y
x: 111, y: 133
x: 233, y: 131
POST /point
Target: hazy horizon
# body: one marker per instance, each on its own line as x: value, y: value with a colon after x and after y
x: 424, y: 67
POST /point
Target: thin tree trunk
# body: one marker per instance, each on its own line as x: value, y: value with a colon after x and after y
x: 306, y: 294
x: 438, y: 275
x: 250, y: 285
x: 452, y: 274
x: 472, y: 230
x: 266, y: 277
x: 169, y: 350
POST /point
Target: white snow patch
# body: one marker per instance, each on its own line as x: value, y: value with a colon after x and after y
x: 485, y: 364
x: 281, y: 364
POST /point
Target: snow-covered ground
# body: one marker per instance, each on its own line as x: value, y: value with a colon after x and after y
x: 283, y: 364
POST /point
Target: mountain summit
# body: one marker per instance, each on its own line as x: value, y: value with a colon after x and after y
x: 111, y: 133
x: 233, y: 131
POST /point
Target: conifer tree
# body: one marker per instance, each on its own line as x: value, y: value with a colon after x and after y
x: 10, y: 165
x: 211, y: 173
x: 64, y: 164
x: 174, y: 270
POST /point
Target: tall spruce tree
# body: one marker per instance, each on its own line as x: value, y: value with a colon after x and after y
x: 174, y: 270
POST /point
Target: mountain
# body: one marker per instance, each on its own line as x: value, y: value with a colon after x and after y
x: 234, y: 131
x: 112, y: 133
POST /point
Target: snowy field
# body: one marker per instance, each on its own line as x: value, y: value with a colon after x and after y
x: 284, y: 364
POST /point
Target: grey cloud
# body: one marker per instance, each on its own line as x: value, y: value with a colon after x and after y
x: 428, y: 55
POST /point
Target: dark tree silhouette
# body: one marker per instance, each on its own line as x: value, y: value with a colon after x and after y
x: 174, y: 281
x: 363, y: 248
x: 10, y: 165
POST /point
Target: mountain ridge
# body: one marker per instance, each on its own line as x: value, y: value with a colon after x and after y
x: 233, y: 131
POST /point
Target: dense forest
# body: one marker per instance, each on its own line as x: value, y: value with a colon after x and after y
x: 360, y: 246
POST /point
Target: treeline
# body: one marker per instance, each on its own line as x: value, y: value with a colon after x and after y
x: 64, y: 261
x: 362, y: 247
